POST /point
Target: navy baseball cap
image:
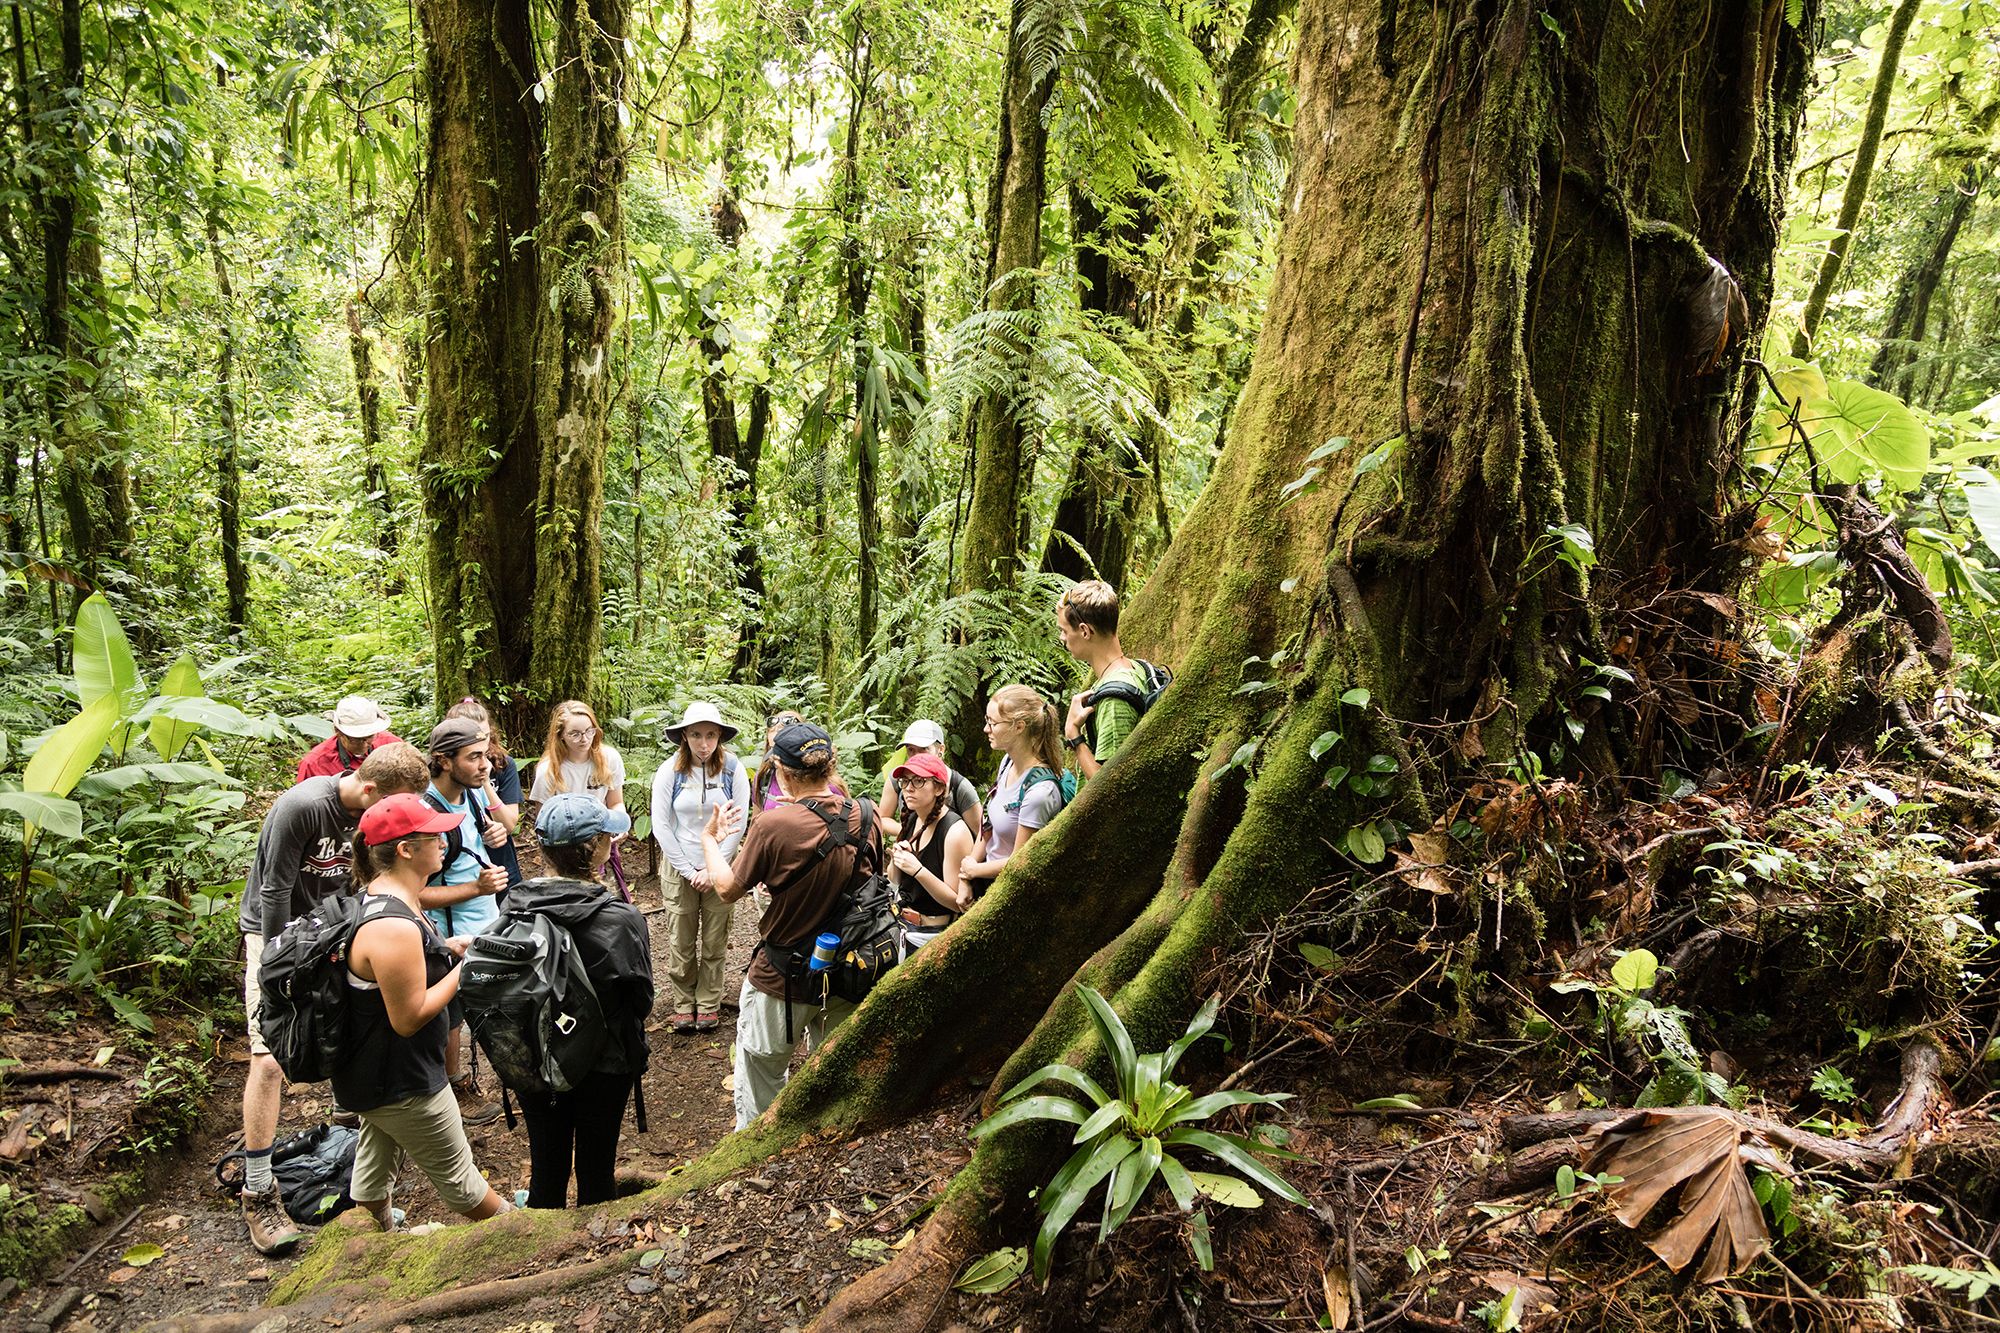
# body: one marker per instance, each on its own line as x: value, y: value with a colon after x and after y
x: 574, y: 816
x: 802, y: 745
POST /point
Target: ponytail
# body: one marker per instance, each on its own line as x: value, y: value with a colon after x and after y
x: 366, y: 863
x: 1040, y: 724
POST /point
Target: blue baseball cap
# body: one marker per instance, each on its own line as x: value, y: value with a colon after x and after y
x: 574, y: 816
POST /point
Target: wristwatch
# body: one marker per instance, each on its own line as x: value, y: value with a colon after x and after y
x: 1072, y: 742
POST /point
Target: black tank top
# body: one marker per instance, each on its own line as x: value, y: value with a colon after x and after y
x: 910, y: 892
x: 382, y: 1067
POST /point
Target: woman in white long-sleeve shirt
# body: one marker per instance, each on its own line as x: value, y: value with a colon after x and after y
x: 700, y: 775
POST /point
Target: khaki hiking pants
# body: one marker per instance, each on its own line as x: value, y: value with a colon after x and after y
x: 700, y: 924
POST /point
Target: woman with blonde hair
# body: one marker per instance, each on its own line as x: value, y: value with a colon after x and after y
x: 1029, y: 790
x: 577, y: 759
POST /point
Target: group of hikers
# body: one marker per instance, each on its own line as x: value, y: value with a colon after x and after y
x: 407, y: 860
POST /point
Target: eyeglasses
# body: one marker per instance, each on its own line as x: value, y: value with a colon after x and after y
x: 583, y: 735
x: 905, y: 784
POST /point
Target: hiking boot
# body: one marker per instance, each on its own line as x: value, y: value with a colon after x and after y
x: 345, y: 1118
x: 272, y: 1230
x: 473, y: 1108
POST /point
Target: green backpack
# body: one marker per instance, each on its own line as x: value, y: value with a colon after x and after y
x: 1065, y: 782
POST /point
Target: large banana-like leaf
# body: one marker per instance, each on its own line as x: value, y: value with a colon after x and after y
x: 68, y: 753
x: 170, y: 735
x: 38, y: 810
x: 103, y: 656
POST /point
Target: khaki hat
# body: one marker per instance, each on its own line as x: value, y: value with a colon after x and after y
x: 358, y: 718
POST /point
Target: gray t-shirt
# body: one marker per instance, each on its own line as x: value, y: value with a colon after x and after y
x: 1010, y: 810
x: 303, y: 855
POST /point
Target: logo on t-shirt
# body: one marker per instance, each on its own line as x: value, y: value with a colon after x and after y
x: 328, y: 860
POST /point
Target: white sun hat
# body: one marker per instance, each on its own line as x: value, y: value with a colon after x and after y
x: 358, y: 718
x: 699, y: 712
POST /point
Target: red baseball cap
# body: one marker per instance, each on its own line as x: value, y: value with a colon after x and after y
x: 403, y: 815
x: 923, y: 766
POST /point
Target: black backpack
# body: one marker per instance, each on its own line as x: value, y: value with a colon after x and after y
x: 1156, y: 679
x: 864, y: 916
x: 311, y: 1168
x: 530, y: 1004
x: 302, y: 1014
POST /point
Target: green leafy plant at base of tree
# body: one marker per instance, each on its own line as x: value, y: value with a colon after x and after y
x: 1126, y: 1140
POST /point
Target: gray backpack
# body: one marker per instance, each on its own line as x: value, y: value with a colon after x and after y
x: 530, y: 1004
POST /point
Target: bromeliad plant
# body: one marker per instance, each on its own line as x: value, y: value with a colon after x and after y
x: 1129, y: 1139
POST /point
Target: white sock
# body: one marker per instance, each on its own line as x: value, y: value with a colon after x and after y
x: 257, y: 1171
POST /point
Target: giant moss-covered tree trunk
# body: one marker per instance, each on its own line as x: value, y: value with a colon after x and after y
x: 1568, y: 239
x: 582, y: 255
x: 481, y: 454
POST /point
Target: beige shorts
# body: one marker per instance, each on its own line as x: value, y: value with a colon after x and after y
x: 253, y: 963
x: 429, y: 1130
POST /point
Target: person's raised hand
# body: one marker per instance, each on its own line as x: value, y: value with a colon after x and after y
x: 1079, y: 710
x: 723, y: 820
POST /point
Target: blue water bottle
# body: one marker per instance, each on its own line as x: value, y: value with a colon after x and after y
x: 826, y: 951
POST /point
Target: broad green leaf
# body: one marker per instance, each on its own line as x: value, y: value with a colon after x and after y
x: 68, y: 754
x: 1790, y: 582
x: 1323, y: 742
x: 1203, y: 1107
x: 1116, y: 1039
x: 1061, y: 1205
x: 1318, y: 955
x: 1030, y: 1108
x: 1199, y: 1242
x: 168, y: 736
x: 1982, y: 502
x: 143, y: 1253
x: 1179, y: 1182
x: 1365, y: 842
x: 1097, y: 1122
x: 1197, y: 1028
x: 1636, y: 970
x: 104, y: 661
x: 1886, y: 432
x: 1356, y: 696
x: 994, y: 1272
x: 1061, y: 1073
x: 128, y: 1011
x: 1401, y: 1101
x: 1227, y: 1190
x: 1241, y: 1154
x: 51, y: 814
x: 210, y: 713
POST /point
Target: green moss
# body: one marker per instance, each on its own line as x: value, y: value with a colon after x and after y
x: 407, y: 1267
x: 34, y: 1235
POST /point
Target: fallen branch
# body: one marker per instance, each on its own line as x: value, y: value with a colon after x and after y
x: 475, y: 1299
x: 61, y: 1072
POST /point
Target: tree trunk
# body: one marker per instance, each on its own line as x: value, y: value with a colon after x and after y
x: 228, y: 462
x: 1518, y: 304
x: 1909, y: 316
x: 1859, y: 177
x: 857, y: 282
x: 481, y: 455
x: 1091, y: 535
x: 368, y: 393
x: 582, y: 257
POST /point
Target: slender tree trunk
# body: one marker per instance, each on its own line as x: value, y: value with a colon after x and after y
x: 481, y: 456
x: 581, y: 239
x: 368, y: 393
x: 228, y: 463
x: 1909, y: 315
x: 1859, y: 177
x: 991, y: 554
x: 856, y: 285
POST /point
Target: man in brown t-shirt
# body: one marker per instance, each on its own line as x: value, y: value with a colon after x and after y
x: 782, y: 852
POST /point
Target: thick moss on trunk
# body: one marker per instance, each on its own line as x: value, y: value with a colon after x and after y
x: 582, y: 252
x: 481, y: 457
